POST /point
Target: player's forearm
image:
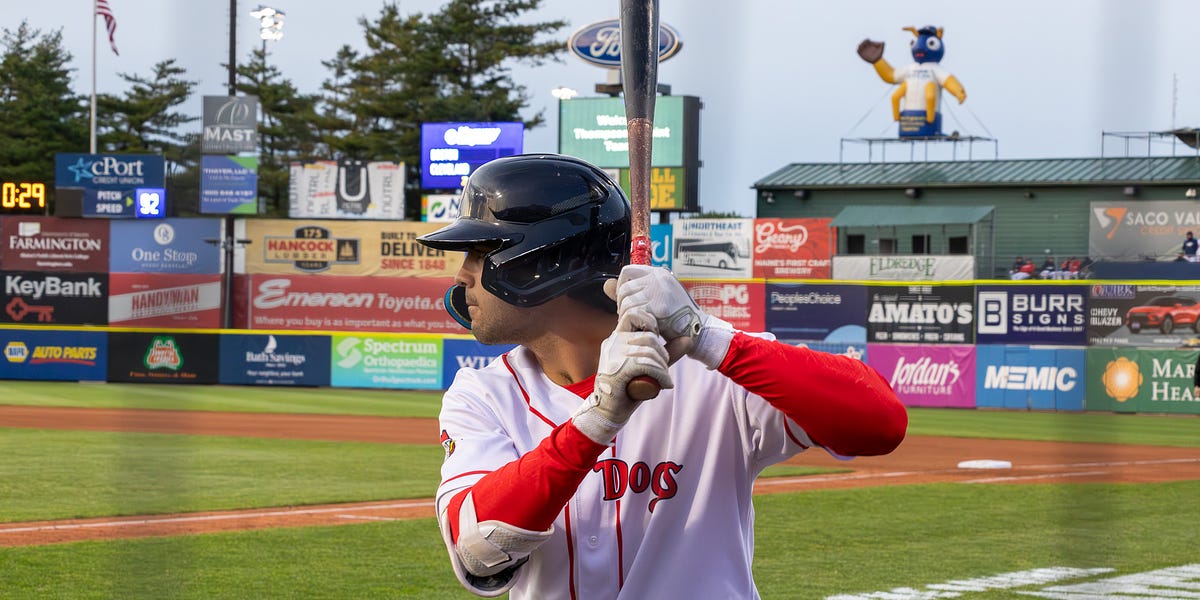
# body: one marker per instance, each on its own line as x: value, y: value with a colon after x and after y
x: 530, y: 492
x: 842, y: 403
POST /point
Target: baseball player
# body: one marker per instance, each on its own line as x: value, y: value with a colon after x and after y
x: 553, y: 486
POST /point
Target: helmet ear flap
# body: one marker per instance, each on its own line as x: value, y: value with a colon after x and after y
x: 456, y: 304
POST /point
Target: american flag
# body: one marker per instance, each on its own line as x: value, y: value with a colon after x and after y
x: 110, y: 22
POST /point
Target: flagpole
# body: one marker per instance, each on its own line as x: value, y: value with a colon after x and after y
x: 92, y: 126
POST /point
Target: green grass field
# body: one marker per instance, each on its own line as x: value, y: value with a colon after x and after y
x: 808, y: 545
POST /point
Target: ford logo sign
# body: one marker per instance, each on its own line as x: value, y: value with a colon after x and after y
x: 600, y: 43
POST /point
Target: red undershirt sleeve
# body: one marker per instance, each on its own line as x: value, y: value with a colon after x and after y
x: 530, y: 492
x: 842, y: 403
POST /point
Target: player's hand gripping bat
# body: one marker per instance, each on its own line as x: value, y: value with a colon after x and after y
x: 639, y: 76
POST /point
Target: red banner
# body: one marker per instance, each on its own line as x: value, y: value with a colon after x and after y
x: 50, y: 244
x: 742, y: 304
x: 793, y: 248
x: 347, y: 303
x: 164, y: 300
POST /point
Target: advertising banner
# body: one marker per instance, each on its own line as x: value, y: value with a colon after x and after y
x: 817, y: 312
x: 671, y: 188
x: 164, y: 300
x: 109, y: 181
x: 275, y: 359
x: 660, y: 245
x: 54, y: 355
x: 36, y: 298
x: 1164, y: 316
x: 1130, y: 231
x: 921, y: 314
x: 387, y: 361
x: 228, y: 185
x: 412, y: 304
x: 440, y: 208
x: 738, y: 302
x: 230, y: 125
x: 450, y: 152
x: 1030, y: 378
x: 50, y: 244
x: 927, y: 375
x: 793, y: 248
x: 137, y: 357
x: 1026, y: 314
x: 713, y: 248
x: 917, y: 267
x: 342, y: 248
x: 350, y: 189
x: 190, y: 246
x: 467, y: 354
x: 1142, y: 380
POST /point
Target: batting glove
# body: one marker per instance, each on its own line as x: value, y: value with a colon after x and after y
x: 633, y: 350
x: 686, y: 329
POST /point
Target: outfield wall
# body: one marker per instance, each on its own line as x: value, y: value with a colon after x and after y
x: 989, y: 345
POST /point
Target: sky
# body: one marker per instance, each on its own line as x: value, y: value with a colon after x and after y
x: 780, y: 80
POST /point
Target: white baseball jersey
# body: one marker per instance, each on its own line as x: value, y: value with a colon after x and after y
x: 916, y: 75
x: 665, y: 513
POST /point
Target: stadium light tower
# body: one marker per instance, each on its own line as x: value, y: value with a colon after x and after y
x: 270, y: 24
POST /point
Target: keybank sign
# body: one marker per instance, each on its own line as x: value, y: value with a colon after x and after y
x: 1030, y: 377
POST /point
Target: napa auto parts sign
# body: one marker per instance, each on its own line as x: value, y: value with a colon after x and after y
x: 349, y: 303
x: 793, y: 248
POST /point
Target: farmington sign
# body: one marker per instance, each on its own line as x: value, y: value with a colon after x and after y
x: 1055, y: 583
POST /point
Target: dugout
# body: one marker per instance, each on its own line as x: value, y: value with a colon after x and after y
x: 994, y: 210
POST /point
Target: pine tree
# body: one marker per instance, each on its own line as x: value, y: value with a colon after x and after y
x: 39, y: 114
x: 286, y: 133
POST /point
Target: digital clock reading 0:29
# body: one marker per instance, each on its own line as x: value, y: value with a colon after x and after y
x: 22, y: 197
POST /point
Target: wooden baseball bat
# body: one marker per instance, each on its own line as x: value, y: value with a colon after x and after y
x: 639, y: 78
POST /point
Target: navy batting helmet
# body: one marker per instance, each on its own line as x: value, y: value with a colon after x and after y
x: 556, y: 224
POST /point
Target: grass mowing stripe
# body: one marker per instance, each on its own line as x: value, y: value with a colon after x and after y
x: 66, y: 474
x: 1156, y: 430
x: 808, y: 545
x: 294, y: 400
x: 1153, y: 430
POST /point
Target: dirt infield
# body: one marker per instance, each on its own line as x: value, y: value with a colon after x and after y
x: 920, y: 459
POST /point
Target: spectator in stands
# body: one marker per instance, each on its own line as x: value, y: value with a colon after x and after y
x: 1180, y: 258
x: 1018, y: 269
x: 1047, y: 270
x: 1070, y: 268
x: 1027, y: 269
x: 1189, y: 247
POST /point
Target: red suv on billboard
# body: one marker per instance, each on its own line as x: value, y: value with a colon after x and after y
x: 1165, y: 313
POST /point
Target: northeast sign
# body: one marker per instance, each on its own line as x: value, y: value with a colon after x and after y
x: 450, y: 152
x: 109, y: 182
x: 230, y: 124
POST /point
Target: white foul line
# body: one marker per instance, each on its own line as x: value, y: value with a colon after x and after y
x: 202, y: 518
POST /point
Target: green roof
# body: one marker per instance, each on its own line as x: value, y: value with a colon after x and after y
x: 875, y: 216
x: 1184, y: 170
